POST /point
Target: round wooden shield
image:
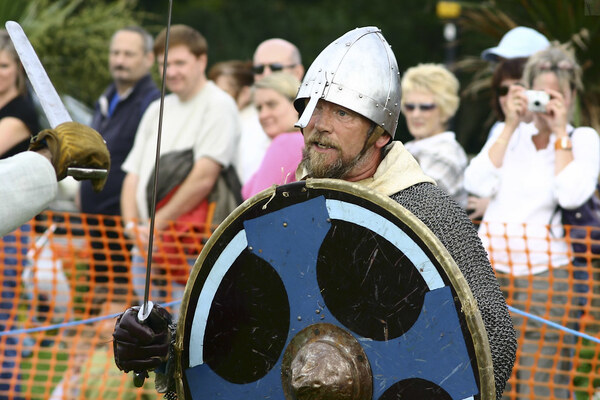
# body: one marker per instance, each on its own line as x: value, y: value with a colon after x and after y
x: 328, y: 264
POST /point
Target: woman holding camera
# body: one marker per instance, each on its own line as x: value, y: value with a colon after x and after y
x: 528, y: 170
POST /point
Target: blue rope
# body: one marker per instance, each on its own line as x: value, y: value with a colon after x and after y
x: 553, y: 324
x: 72, y: 323
x: 176, y: 302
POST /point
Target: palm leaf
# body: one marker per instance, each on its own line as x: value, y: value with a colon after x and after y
x: 561, y: 20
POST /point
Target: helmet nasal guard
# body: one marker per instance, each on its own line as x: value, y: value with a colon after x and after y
x: 357, y: 71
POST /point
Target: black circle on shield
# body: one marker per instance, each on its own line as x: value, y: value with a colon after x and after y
x: 415, y: 388
x: 373, y: 289
x: 244, y: 303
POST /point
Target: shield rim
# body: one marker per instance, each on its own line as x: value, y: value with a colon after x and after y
x: 469, y: 307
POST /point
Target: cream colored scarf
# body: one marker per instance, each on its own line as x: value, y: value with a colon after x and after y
x: 398, y: 170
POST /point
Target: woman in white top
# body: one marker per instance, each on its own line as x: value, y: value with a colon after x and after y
x: 429, y: 100
x: 528, y: 169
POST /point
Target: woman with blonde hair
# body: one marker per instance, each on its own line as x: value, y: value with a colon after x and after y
x: 273, y: 97
x: 429, y: 100
x: 18, y: 118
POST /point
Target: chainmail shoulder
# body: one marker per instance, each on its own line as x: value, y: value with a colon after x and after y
x: 449, y: 222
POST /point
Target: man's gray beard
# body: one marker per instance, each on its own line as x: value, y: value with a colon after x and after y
x: 338, y: 170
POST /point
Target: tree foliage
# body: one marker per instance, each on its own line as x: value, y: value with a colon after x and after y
x: 71, y: 37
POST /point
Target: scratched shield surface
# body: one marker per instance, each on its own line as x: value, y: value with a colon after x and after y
x: 326, y: 253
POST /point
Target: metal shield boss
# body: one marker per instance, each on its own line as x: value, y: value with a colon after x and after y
x: 323, y: 289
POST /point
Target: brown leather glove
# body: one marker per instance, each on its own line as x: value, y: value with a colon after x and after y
x: 74, y: 145
x: 142, y: 346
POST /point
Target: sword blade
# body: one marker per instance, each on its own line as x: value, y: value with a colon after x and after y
x: 50, y: 100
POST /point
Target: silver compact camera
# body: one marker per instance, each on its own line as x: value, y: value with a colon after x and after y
x: 537, y: 100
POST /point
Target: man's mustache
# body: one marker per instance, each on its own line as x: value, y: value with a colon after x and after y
x: 317, y: 138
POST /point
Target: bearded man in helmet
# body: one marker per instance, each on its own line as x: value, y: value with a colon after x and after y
x: 349, y: 104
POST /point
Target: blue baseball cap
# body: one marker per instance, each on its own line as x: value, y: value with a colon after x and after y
x: 518, y: 42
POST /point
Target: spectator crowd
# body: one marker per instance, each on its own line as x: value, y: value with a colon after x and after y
x: 229, y: 132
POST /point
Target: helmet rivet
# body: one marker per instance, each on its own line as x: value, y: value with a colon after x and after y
x: 285, y: 224
x: 395, y: 104
x: 348, y: 44
x: 390, y: 114
x: 339, y: 88
x: 360, y: 95
x: 376, y: 105
x: 250, y: 248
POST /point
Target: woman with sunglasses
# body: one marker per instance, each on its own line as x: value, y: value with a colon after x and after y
x: 528, y: 170
x: 429, y: 100
x: 508, y: 72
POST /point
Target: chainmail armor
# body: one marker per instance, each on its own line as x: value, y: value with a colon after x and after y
x: 170, y: 396
x: 448, y: 221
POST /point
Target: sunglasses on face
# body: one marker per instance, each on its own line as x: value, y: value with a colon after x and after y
x: 275, y: 67
x: 502, y: 90
x: 422, y: 107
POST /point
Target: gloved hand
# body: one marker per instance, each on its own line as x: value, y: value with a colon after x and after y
x: 74, y: 145
x: 142, y: 346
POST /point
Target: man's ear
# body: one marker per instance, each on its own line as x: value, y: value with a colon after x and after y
x: 149, y: 59
x: 298, y: 72
x: 203, y: 58
x: 383, y: 140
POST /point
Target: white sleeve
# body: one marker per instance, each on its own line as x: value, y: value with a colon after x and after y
x: 27, y: 185
x: 577, y: 181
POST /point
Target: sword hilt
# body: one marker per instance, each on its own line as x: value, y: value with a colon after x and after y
x: 87, y: 173
x: 146, y: 308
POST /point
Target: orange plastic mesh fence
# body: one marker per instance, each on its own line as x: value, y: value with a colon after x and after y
x: 61, y: 268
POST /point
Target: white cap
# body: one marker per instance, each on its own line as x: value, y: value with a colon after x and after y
x: 518, y: 42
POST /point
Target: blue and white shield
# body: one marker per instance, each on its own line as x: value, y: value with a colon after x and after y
x: 297, y: 259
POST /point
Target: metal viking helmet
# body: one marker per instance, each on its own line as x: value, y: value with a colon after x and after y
x: 357, y: 71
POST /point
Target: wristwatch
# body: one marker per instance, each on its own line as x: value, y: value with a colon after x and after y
x: 563, y: 143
